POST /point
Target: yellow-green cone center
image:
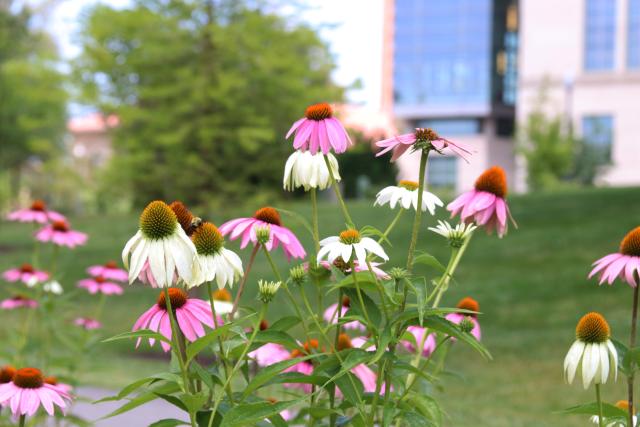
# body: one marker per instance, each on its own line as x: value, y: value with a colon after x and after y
x: 349, y: 237
x: 409, y: 185
x: 158, y: 221
x: 593, y: 328
x: 207, y: 239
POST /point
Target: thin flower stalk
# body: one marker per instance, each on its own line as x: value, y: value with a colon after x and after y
x: 223, y: 359
x: 236, y: 302
x: 632, y: 343
x: 336, y: 189
x: 424, y: 156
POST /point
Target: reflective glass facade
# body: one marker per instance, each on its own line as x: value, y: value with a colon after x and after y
x: 633, y: 38
x: 442, y: 171
x: 600, y: 34
x: 442, y: 52
x: 597, y: 132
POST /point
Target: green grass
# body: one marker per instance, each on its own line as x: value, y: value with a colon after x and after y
x: 531, y: 286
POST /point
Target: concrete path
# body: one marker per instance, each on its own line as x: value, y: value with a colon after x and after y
x: 139, y: 417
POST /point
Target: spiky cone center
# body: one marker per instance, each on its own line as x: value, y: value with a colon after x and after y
x: 346, y: 301
x: 7, y: 373
x: 60, y: 226
x: 38, y: 205
x: 26, y: 268
x: 494, y: 181
x: 349, y: 237
x: 319, y: 111
x: 344, y: 342
x: 221, y: 295
x: 269, y: 215
x: 51, y: 380
x: 184, y: 216
x: 158, y: 221
x: 426, y: 135
x: 470, y: 304
x: 99, y: 279
x: 177, y: 296
x: 622, y: 404
x: 207, y: 239
x: 593, y: 328
x: 111, y: 264
x: 28, y: 378
x: 409, y: 185
x: 630, y: 245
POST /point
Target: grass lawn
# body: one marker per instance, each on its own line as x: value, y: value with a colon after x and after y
x: 531, y: 286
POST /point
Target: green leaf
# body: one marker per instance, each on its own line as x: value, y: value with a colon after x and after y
x: 426, y: 406
x: 369, y: 230
x: 369, y: 305
x: 145, y: 333
x: 277, y: 337
x: 202, y: 343
x: 266, y: 374
x: 608, y: 410
x: 251, y: 413
x: 144, y: 398
x: 298, y: 378
x: 365, y: 282
x: 350, y: 386
x: 173, y: 400
x: 429, y: 260
x: 169, y: 422
x: 285, y: 323
x: 440, y: 324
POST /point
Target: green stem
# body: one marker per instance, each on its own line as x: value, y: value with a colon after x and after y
x: 359, y: 292
x: 336, y: 189
x: 314, y: 219
x: 413, y: 381
x: 454, y: 260
x: 599, y: 401
x: 236, y: 303
x: 175, y: 347
x: 238, y: 364
x: 632, y: 343
x: 424, y: 155
x: 100, y: 306
x: 223, y: 359
x: 22, y: 419
x: 332, y: 392
x: 391, y: 226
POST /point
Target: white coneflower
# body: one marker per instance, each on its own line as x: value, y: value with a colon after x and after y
x: 307, y: 170
x: 592, y: 352
x: 213, y: 260
x: 162, y: 243
x: 346, y: 243
x: 53, y: 286
x: 222, y: 301
x: 456, y: 235
x: 406, y: 192
x: 267, y: 290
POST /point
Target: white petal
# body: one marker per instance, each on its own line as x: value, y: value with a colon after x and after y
x: 346, y: 252
x: 157, y: 264
x: 130, y: 246
x: 373, y: 246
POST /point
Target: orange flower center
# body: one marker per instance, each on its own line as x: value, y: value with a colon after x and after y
x: 409, y: 185
x: 111, y: 264
x: 7, y: 373
x: 26, y: 268
x: 38, y: 205
x: 60, y: 226
x: 28, y: 378
x: 319, y: 111
x: 470, y: 304
x: 222, y: 295
x: 99, y: 279
x: 51, y: 380
x: 593, y: 328
x: 426, y: 134
x: 268, y: 215
x: 623, y: 404
x: 346, y: 302
x: 349, y: 237
x: 207, y: 239
x: 306, y: 348
x: 344, y: 342
x: 493, y: 181
x: 177, y: 296
x: 631, y: 243
x: 183, y: 214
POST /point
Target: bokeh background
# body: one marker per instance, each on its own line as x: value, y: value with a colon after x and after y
x: 106, y: 105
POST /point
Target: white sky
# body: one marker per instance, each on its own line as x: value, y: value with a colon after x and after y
x: 352, y: 28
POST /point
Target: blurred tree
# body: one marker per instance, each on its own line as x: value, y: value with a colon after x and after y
x: 205, y: 92
x: 548, y: 147
x: 32, y: 95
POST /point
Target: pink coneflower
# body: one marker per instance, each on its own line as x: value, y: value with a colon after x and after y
x: 38, y: 212
x: 99, y: 284
x: 264, y: 217
x: 318, y: 129
x: 457, y: 318
x: 269, y: 353
x: 624, y: 264
x: 304, y: 367
x: 61, y: 234
x: 61, y: 387
x: 421, y: 138
x: 486, y: 204
x: 331, y: 316
x: 366, y: 376
x: 26, y: 274
x: 28, y: 391
x: 7, y: 372
x: 18, y: 301
x: 87, y: 323
x: 110, y: 270
x: 418, y: 334
x: 191, y: 314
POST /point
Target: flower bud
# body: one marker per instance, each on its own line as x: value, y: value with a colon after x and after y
x: 466, y: 325
x: 263, y: 234
x: 298, y: 274
x: 267, y: 290
x: 398, y: 273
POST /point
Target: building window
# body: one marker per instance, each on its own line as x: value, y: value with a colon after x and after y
x: 448, y: 127
x: 597, y: 132
x: 600, y: 33
x: 633, y: 39
x: 442, y: 171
